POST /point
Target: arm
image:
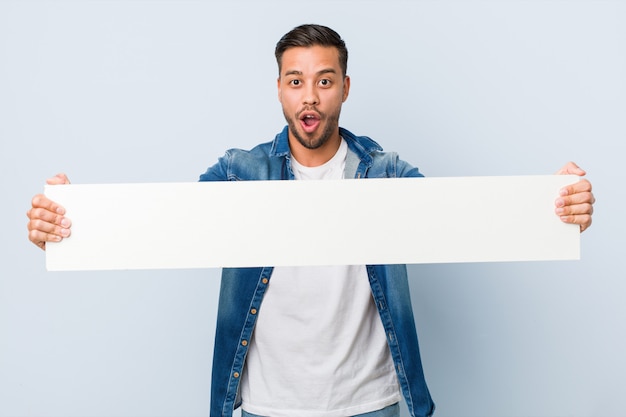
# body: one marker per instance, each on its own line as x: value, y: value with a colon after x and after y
x: 47, y: 221
x: 575, y: 204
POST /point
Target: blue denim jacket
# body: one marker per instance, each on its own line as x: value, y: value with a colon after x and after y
x: 242, y: 289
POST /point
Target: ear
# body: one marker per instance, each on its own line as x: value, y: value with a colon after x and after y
x: 279, y: 90
x: 346, y: 88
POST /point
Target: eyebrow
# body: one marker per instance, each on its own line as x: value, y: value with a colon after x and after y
x: 320, y: 72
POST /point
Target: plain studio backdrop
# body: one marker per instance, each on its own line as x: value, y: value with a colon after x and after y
x: 155, y: 91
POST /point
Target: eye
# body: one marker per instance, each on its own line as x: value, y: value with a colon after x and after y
x: 325, y: 82
x: 294, y: 82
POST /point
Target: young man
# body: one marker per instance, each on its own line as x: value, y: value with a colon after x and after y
x: 314, y: 341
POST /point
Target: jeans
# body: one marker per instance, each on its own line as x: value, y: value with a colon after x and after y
x: 390, y: 411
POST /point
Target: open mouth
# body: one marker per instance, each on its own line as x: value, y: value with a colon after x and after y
x: 309, y: 121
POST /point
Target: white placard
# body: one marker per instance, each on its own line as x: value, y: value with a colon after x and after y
x: 277, y: 223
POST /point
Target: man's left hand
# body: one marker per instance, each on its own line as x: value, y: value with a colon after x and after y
x: 575, y: 204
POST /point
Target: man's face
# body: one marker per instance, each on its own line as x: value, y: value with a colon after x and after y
x: 311, y: 89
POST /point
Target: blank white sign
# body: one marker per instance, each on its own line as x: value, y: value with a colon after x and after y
x: 278, y: 223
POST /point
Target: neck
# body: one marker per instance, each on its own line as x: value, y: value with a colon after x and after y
x: 314, y: 157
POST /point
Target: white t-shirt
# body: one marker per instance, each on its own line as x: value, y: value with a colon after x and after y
x: 319, y: 348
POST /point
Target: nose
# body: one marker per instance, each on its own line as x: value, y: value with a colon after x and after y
x: 310, y: 96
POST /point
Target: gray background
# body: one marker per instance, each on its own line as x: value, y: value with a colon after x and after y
x: 151, y: 91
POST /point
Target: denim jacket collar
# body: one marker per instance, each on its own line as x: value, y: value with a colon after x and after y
x: 362, y: 146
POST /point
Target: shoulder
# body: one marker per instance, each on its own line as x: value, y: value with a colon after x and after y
x: 389, y: 165
x: 259, y: 152
x: 381, y: 164
x: 241, y: 164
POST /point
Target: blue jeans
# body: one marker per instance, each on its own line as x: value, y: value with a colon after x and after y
x: 390, y: 411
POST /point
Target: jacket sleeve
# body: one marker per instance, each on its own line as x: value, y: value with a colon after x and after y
x: 219, y: 171
x: 404, y: 169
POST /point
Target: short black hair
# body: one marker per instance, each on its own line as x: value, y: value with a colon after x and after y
x: 312, y: 35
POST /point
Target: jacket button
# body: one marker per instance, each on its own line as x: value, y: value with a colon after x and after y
x: 236, y: 374
x: 253, y: 311
x: 244, y: 343
x: 264, y: 280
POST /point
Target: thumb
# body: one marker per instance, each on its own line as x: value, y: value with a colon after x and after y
x: 58, y: 179
x: 571, y: 169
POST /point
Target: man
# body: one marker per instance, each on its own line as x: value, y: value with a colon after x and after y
x: 314, y: 341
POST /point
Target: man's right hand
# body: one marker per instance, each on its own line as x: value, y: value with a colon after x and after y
x: 47, y: 219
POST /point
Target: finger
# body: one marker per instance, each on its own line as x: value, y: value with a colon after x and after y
x: 571, y: 168
x: 577, y: 187
x: 43, y: 202
x: 586, y: 198
x: 44, y: 216
x: 583, y: 220
x: 577, y: 204
x: 576, y: 209
x: 39, y: 235
x: 41, y: 231
x: 35, y: 239
x: 58, y: 179
x: 46, y: 222
x: 40, y: 238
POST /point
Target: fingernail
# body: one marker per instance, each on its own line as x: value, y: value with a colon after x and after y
x: 60, y: 210
x: 560, y: 211
x: 559, y: 202
x: 65, y: 223
x: 65, y: 232
x: 563, y: 191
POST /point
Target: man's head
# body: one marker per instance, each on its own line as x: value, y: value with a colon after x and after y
x: 312, y: 35
x: 312, y: 86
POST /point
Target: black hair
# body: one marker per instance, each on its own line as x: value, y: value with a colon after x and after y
x: 312, y: 35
